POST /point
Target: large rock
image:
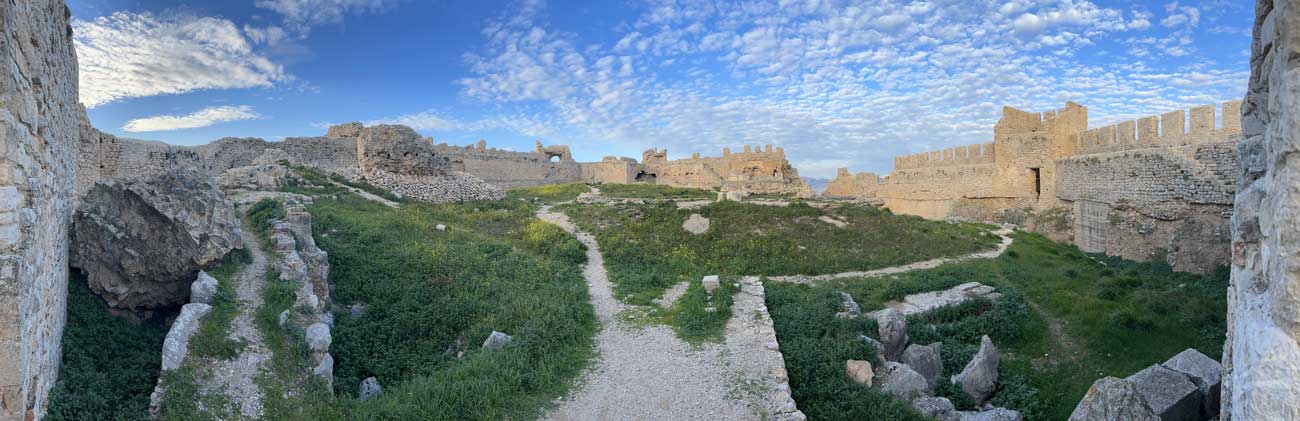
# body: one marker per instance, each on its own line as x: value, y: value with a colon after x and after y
x: 938, y: 408
x: 318, y: 337
x: 876, y: 346
x: 1171, y: 394
x: 177, y: 343
x: 1204, y: 372
x: 995, y: 414
x: 901, y: 381
x: 369, y: 389
x: 851, y: 309
x: 925, y: 360
x: 1113, y: 398
x: 204, y: 289
x: 979, y: 379
x: 142, y: 242
x: 860, y: 372
x: 893, y: 333
x: 496, y: 341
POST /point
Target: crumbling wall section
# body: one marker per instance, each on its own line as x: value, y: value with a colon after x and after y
x: 755, y: 170
x: 860, y: 186
x: 39, y: 112
x: 610, y: 170
x: 1261, y: 358
x: 509, y: 169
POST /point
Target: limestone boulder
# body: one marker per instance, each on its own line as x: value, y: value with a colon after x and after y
x: 1205, y: 373
x: 496, y: 341
x: 1171, y: 395
x: 325, y: 369
x: 979, y: 379
x: 696, y: 224
x: 142, y: 242
x: 860, y: 371
x: 318, y: 337
x: 893, y: 333
x: 925, y: 360
x: 369, y: 389
x: 204, y: 289
x: 1113, y: 398
x: 938, y: 408
x: 851, y: 309
x: 901, y: 381
x: 177, y: 343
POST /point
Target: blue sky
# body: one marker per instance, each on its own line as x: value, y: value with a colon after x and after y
x: 836, y: 83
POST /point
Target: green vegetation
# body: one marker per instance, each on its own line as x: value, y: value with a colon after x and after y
x: 109, y: 366
x: 654, y: 191
x: 212, y: 339
x: 427, y: 291
x: 1066, y: 319
x: 549, y: 194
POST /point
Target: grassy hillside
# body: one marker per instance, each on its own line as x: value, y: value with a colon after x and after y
x: 1067, y: 319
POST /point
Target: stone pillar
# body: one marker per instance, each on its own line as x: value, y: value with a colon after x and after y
x: 1261, y: 358
x: 39, y: 116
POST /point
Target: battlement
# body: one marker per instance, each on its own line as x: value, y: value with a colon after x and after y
x: 749, y: 152
x: 1175, y: 128
x: 1018, y: 121
x: 977, y: 154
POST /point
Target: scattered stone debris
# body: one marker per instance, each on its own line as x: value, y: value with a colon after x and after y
x: 851, y: 309
x: 1205, y: 373
x: 833, y: 221
x: 369, y: 389
x: 876, y: 345
x: 935, y: 407
x: 496, y: 341
x: 696, y: 224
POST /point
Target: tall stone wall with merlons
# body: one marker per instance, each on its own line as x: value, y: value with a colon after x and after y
x: 38, y: 148
x: 1261, y: 358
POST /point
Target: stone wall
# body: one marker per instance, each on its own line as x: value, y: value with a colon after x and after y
x: 862, y: 186
x: 1262, y: 355
x: 509, y: 169
x: 611, y: 169
x: 756, y: 170
x: 38, y: 134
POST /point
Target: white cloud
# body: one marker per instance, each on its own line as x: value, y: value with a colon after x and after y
x: 301, y: 15
x: 424, y: 121
x: 126, y: 55
x: 201, y: 118
x: 1181, y: 16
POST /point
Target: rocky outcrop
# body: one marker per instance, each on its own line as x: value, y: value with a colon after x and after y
x: 1183, y: 388
x: 38, y: 147
x: 204, y: 289
x: 1261, y: 359
x: 1112, y: 398
x: 141, y: 242
x: 300, y: 261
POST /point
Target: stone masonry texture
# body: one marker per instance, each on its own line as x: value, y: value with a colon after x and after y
x: 39, y: 116
x: 1261, y: 359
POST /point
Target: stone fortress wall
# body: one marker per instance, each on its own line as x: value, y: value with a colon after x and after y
x: 1158, y: 187
x: 509, y: 169
x: 755, y: 170
x: 38, y: 148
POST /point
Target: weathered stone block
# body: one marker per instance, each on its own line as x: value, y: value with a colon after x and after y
x: 1205, y: 373
x: 1170, y: 394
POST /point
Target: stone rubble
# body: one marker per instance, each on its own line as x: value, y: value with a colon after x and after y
x: 893, y: 333
x: 979, y: 379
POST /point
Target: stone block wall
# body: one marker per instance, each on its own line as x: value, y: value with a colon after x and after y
x: 1261, y: 358
x: 755, y: 170
x: 609, y: 170
x: 861, y: 186
x: 509, y: 169
x: 1169, y: 129
x: 39, y: 112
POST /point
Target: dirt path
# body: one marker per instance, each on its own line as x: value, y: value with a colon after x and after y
x: 928, y: 264
x: 234, y: 378
x: 1065, y: 348
x: 646, y: 373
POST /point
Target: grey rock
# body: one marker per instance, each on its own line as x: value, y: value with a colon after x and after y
x: 850, y: 307
x: 936, y: 407
x: 1205, y: 373
x: 176, y: 344
x: 876, y: 345
x: 1113, y: 398
x: 995, y: 414
x: 1171, y: 394
x: 325, y: 369
x: 283, y: 318
x: 369, y: 389
x: 979, y: 379
x: 496, y: 341
x: 142, y: 241
x: 901, y: 381
x: 924, y: 360
x: 318, y: 337
x: 356, y: 310
x: 893, y: 333
x: 860, y: 372
x: 711, y: 283
x: 204, y: 289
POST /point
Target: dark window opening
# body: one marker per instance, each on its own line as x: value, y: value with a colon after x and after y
x: 645, y: 177
x: 1038, y: 182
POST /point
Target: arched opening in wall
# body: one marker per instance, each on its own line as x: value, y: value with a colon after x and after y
x: 554, y: 158
x: 645, y: 177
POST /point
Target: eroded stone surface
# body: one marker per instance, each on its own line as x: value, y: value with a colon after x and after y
x: 1113, y: 398
x: 902, y: 381
x: 1169, y: 393
x: 979, y: 379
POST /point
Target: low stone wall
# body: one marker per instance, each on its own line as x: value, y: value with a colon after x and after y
x: 509, y: 169
x: 38, y: 149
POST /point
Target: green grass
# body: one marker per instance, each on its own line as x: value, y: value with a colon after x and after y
x: 1119, y: 316
x: 212, y: 339
x: 495, y: 268
x: 109, y: 366
x: 549, y: 194
x: 654, y: 191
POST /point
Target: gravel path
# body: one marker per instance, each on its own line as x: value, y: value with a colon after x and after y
x: 928, y: 264
x: 647, y: 373
x: 234, y: 378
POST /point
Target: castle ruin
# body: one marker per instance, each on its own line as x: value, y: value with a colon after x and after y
x: 1159, y: 187
x: 763, y: 170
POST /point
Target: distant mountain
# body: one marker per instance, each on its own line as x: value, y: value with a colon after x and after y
x: 818, y: 184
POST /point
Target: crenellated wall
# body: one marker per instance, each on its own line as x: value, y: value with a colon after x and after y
x: 861, y: 186
x: 1153, y: 188
x: 755, y: 170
